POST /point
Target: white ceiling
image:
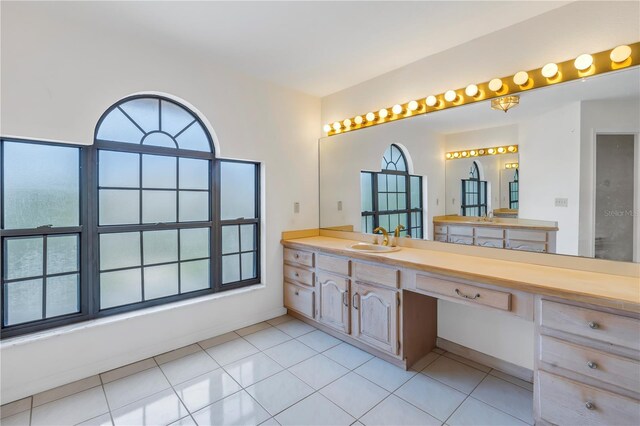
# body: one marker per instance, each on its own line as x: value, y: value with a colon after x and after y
x: 315, y: 47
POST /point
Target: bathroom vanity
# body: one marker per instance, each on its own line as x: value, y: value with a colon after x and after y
x: 497, y: 232
x: 587, y: 356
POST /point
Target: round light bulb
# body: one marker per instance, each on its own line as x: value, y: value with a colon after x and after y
x: 471, y: 90
x: 383, y: 113
x: 431, y: 100
x: 495, y: 84
x: 508, y: 166
x: 326, y: 128
x: 511, y: 148
x: 450, y: 96
x: 448, y: 155
x: 397, y: 109
x: 370, y: 116
x: 358, y: 119
x: 620, y: 54
x: 501, y: 150
x: 456, y: 154
x: 413, y: 105
x: 347, y: 123
x: 521, y: 78
x: 491, y: 151
x: 481, y: 152
x: 465, y: 153
x: 583, y: 62
x: 550, y: 70
x: 473, y: 153
x: 336, y: 126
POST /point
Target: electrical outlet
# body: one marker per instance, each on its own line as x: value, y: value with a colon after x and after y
x: 562, y: 202
x: 339, y: 206
x: 296, y: 207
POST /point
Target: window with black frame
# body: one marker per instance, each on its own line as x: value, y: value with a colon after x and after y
x: 392, y: 196
x: 514, y: 191
x: 164, y: 218
x: 474, y: 193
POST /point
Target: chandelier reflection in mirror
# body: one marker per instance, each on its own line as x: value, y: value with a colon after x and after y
x: 505, y: 103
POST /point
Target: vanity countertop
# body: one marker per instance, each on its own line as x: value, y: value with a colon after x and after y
x: 613, y: 291
x: 497, y: 222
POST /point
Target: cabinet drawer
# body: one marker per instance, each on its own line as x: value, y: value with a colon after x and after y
x: 489, y: 232
x: 565, y: 402
x: 527, y: 246
x: 601, y: 326
x: 440, y: 237
x: 300, y: 275
x: 520, y: 234
x: 440, y: 229
x: 376, y: 274
x: 299, y: 299
x: 461, y: 230
x: 339, y: 265
x: 490, y: 242
x: 469, y: 293
x: 300, y: 257
x: 456, y: 239
x: 602, y: 366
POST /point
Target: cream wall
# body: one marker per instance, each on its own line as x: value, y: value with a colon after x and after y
x: 57, y: 79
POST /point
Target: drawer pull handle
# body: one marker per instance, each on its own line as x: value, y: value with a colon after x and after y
x: 353, y: 303
x: 592, y: 365
x: 590, y: 405
x: 461, y: 294
x: 593, y: 325
x: 297, y: 274
x: 296, y: 256
x: 345, y: 299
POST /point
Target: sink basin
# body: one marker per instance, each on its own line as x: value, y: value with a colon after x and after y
x: 373, y: 248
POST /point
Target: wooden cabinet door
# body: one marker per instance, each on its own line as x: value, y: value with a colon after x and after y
x: 375, y: 316
x: 334, y: 301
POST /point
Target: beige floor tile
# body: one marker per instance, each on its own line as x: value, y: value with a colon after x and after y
x: 66, y: 390
x: 319, y: 340
x: 348, y: 355
x: 439, y: 351
x: 318, y: 371
x: 279, y: 320
x: 103, y: 420
x: 188, y: 367
x: 475, y: 413
x: 290, y: 353
x: 267, y: 338
x: 206, y: 389
x: 468, y: 362
x: 161, y: 408
x: 232, y: 351
x: 127, y: 370
x: 19, y: 419
x: 252, y: 369
x: 384, y: 374
x: 431, y: 396
x: 72, y: 409
x: 238, y: 409
x: 354, y: 394
x: 129, y: 389
x: 455, y: 374
x: 316, y: 410
x: 295, y: 328
x: 177, y: 354
x: 218, y: 340
x: 507, y: 397
x: 253, y: 328
x: 516, y: 381
x: 394, y: 411
x: 15, y: 407
x: 423, y: 362
x: 279, y: 392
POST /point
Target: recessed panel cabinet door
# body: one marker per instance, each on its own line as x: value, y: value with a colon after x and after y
x: 334, y: 301
x: 375, y: 316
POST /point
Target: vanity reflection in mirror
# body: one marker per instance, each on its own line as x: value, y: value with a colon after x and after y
x: 557, y: 174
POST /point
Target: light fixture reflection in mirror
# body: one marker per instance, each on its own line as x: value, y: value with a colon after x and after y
x: 505, y: 103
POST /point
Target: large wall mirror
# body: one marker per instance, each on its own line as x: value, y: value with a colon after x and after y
x: 559, y: 173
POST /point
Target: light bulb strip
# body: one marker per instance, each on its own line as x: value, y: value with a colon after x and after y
x: 480, y: 152
x: 567, y: 71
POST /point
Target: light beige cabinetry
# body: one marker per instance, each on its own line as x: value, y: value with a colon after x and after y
x: 496, y: 236
x: 334, y: 309
x: 587, y: 364
x: 375, y: 316
x: 299, y: 282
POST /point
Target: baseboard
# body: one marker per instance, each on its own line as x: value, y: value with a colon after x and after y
x: 484, y: 359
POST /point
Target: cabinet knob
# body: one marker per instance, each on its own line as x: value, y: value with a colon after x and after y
x: 592, y: 365
x: 590, y: 405
x: 593, y: 325
x: 297, y: 293
x: 297, y: 274
x: 296, y: 256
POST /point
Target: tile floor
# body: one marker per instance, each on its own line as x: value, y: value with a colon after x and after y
x: 282, y: 372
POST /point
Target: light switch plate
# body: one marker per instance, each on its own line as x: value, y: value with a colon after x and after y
x: 339, y: 206
x: 296, y: 207
x: 562, y: 202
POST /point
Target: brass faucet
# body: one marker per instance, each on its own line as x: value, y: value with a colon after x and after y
x: 385, y: 239
x: 399, y: 228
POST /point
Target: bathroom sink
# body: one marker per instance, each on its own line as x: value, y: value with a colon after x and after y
x: 372, y: 248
